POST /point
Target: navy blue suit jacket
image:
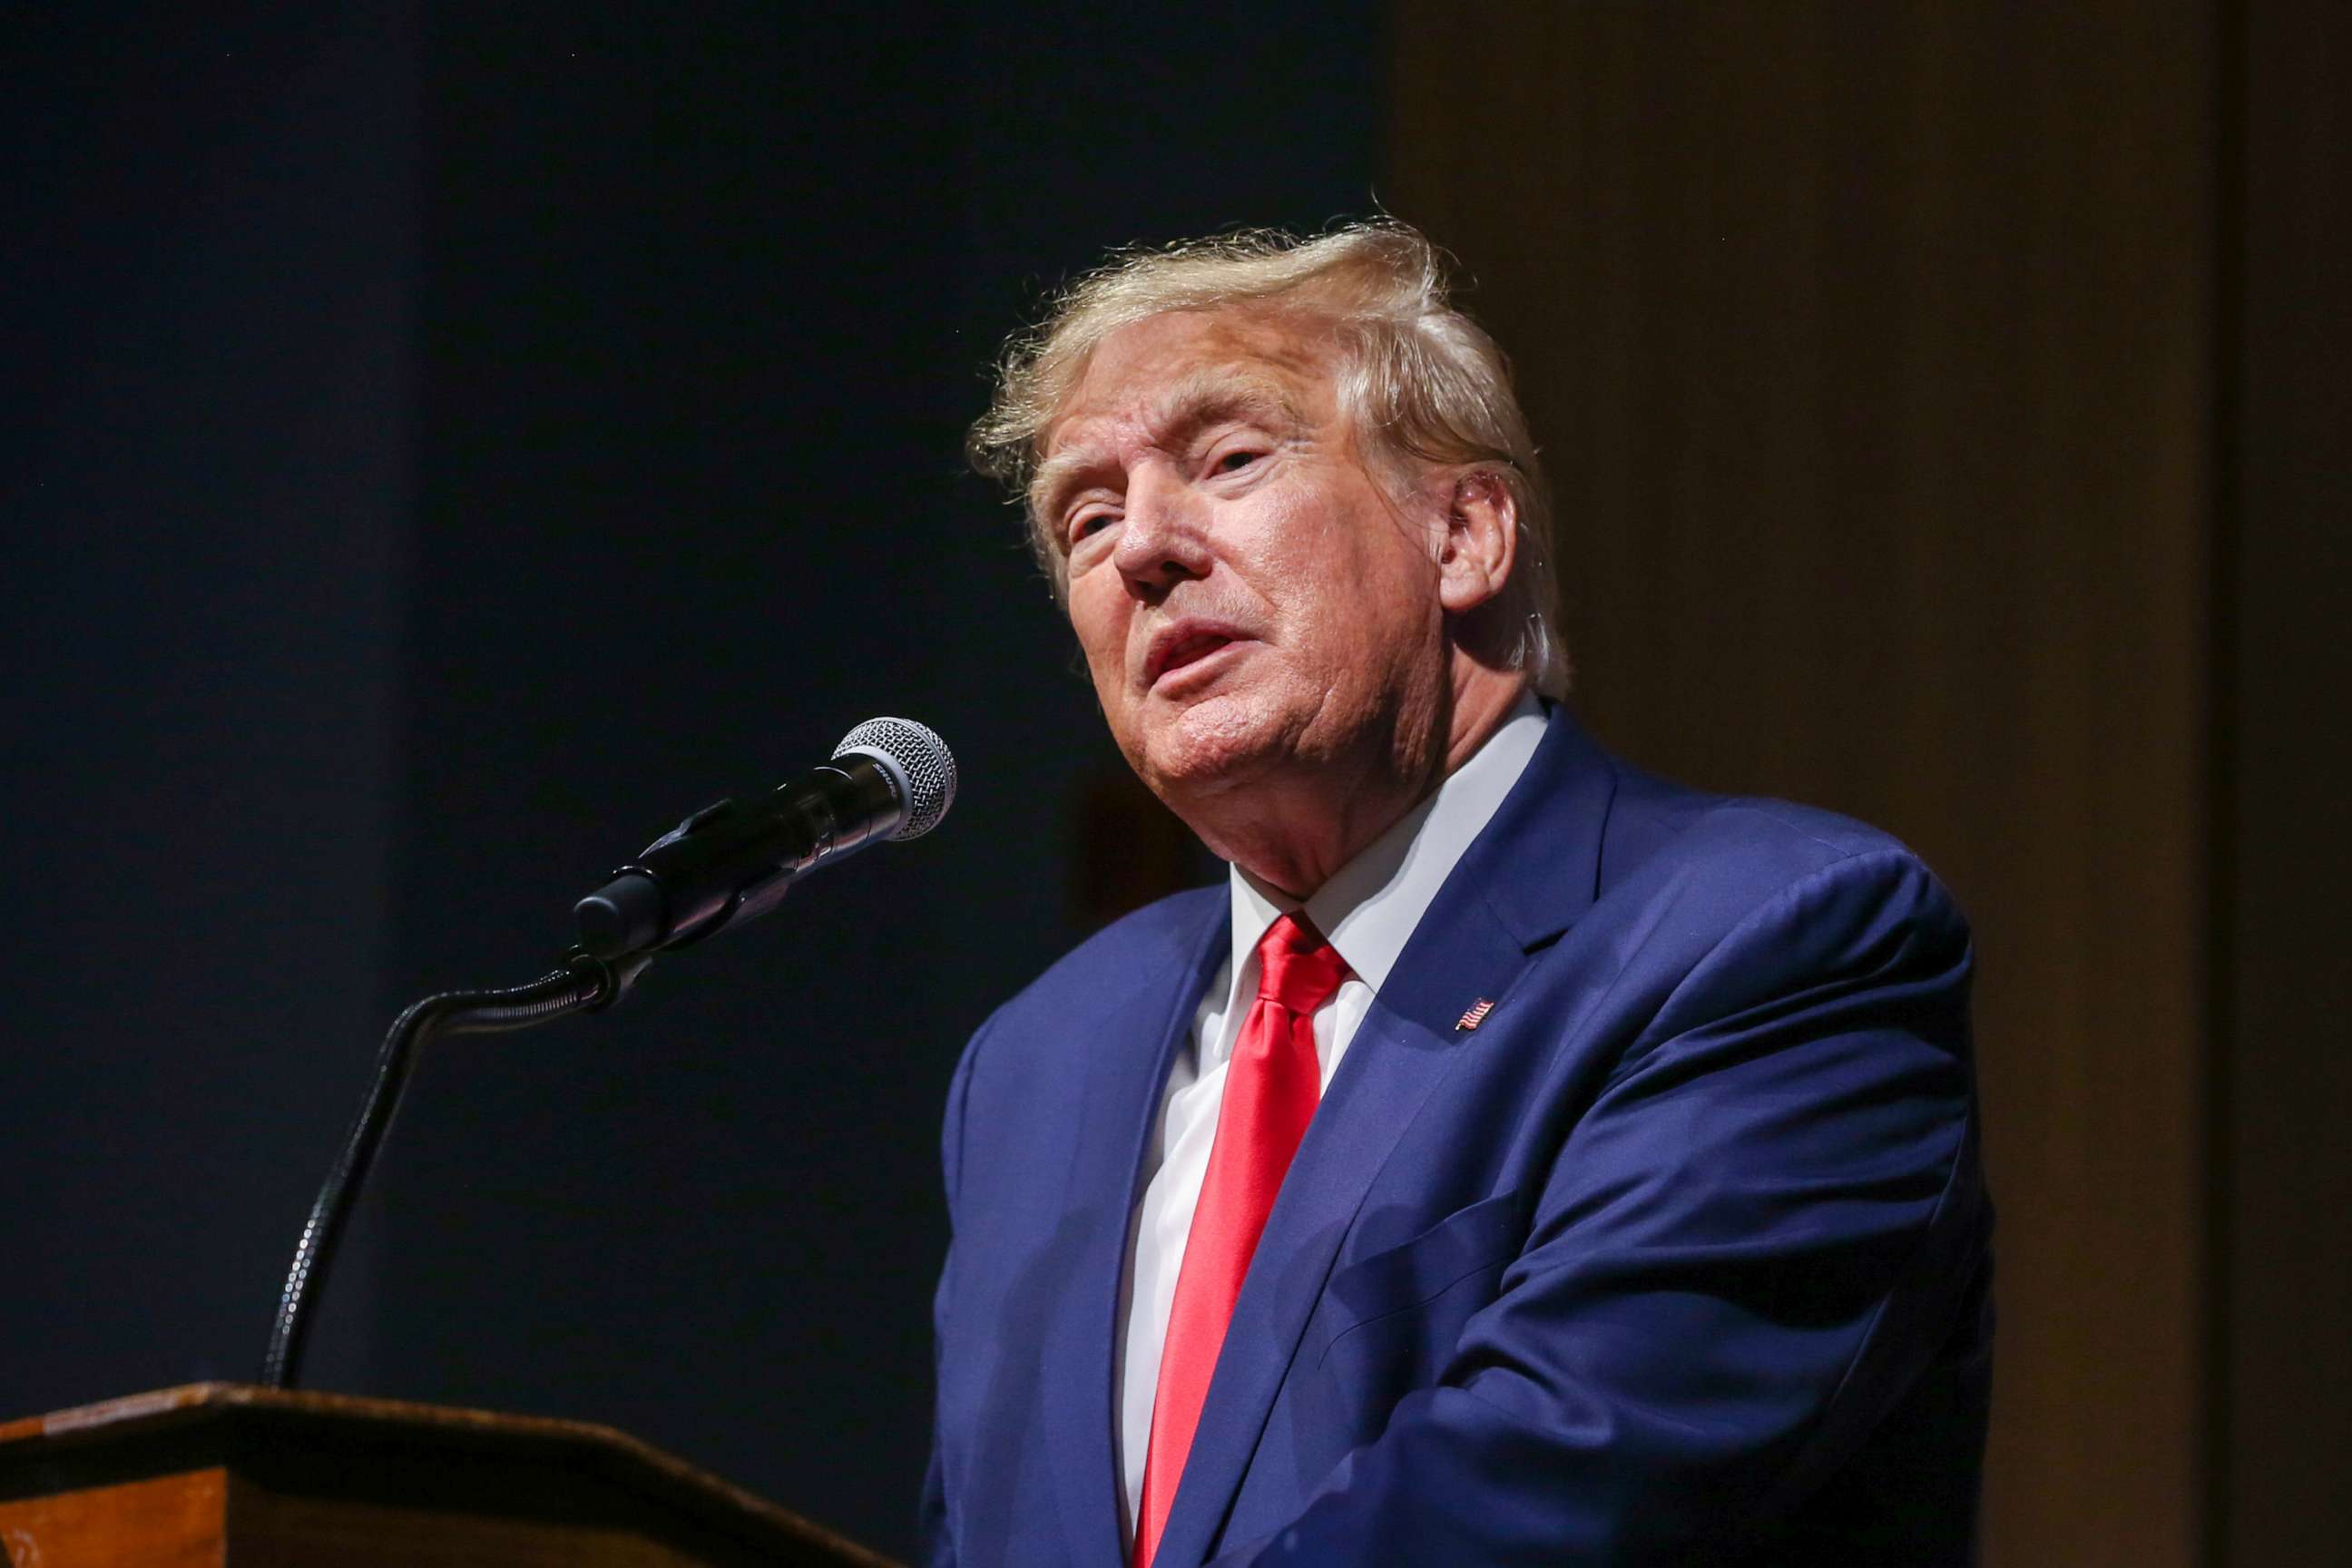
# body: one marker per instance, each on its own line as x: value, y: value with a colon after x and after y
x: 1681, y: 1255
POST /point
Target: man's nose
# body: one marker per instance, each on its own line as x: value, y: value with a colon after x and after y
x: 1163, y: 537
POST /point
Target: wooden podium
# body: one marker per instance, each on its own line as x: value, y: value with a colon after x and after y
x: 226, y: 1476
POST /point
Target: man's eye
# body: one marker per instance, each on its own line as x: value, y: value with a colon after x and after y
x: 1089, y: 523
x: 1237, y: 460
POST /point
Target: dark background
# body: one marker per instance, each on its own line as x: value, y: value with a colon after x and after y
x: 448, y: 444
x: 452, y: 444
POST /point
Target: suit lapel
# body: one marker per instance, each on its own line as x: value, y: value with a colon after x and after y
x: 1523, y: 880
x: 1126, y: 1072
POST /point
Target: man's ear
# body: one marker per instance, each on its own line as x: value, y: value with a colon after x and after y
x: 1481, y: 542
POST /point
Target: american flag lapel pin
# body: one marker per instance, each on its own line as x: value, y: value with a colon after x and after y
x: 1474, y: 1015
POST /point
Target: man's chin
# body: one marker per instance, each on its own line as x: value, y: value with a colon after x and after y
x: 1207, y: 747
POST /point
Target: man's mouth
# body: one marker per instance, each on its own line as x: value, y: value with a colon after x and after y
x: 1181, y: 647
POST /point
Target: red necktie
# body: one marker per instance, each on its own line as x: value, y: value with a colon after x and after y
x: 1271, y: 1088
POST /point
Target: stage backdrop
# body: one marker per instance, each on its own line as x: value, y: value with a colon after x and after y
x: 1946, y: 403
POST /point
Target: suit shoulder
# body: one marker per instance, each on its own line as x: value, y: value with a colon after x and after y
x: 1100, y: 973
x: 1717, y: 907
x: 1165, y: 930
x: 1806, y: 837
x: 1738, y: 853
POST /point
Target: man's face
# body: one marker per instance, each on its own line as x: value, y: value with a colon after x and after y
x: 1247, y: 595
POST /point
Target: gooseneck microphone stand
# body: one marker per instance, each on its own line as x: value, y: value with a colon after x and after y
x: 584, y: 985
x: 722, y: 866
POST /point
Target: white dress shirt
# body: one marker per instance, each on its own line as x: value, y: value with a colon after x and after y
x: 1369, y: 910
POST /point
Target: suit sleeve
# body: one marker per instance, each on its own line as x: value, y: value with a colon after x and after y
x: 935, y: 1533
x: 1749, y: 1244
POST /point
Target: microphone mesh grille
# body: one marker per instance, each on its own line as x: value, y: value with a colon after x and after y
x: 918, y: 753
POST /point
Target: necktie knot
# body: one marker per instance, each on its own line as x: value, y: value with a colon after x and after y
x: 1298, y: 967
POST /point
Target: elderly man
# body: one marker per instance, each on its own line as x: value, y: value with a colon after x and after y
x: 1521, y: 1160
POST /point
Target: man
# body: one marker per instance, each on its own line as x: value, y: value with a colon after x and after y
x: 1522, y: 1160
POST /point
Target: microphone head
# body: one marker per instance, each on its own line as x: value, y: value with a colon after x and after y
x: 918, y: 760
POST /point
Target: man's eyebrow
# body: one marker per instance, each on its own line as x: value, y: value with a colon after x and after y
x: 1205, y: 397
x: 1200, y: 398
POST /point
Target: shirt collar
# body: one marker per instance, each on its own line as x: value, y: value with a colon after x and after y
x: 1370, y: 907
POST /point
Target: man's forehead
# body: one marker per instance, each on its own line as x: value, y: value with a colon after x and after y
x: 1166, y: 369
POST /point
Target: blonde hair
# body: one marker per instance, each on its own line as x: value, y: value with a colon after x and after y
x: 1422, y: 382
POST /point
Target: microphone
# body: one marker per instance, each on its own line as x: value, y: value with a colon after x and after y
x: 732, y: 862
